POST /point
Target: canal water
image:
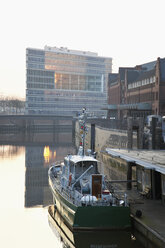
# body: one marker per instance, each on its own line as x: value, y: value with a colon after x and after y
x: 25, y: 196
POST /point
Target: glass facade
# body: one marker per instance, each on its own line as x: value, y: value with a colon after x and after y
x: 61, y: 81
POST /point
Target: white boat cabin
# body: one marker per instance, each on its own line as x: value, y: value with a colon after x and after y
x: 81, y: 173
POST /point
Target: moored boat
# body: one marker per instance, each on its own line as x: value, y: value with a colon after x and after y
x: 81, y: 196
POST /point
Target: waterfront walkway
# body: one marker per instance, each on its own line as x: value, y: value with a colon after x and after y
x: 153, y: 215
x: 152, y: 222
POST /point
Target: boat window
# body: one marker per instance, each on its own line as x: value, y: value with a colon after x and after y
x: 84, y: 165
x: 72, y: 167
x: 63, y: 169
x: 65, y: 161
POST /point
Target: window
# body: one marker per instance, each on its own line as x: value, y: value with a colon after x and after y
x: 151, y: 80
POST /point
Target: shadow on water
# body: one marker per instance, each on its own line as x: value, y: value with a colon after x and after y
x: 38, y: 159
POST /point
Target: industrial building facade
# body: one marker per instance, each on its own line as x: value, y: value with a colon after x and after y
x: 60, y: 81
x: 137, y: 91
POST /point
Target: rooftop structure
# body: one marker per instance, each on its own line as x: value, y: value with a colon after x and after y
x: 149, y: 159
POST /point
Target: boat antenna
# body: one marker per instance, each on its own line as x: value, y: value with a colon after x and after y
x: 83, y: 129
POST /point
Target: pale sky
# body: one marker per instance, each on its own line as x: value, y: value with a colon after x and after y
x: 130, y: 31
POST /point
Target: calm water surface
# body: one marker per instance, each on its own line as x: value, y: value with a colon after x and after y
x: 25, y: 197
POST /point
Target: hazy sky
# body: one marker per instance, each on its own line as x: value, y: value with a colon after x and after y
x: 130, y: 31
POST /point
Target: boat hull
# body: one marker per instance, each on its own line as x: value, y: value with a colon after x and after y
x: 86, y: 239
x: 91, y: 217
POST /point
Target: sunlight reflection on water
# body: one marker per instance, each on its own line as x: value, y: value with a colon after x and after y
x: 20, y: 227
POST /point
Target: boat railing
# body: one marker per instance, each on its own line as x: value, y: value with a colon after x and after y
x: 71, y: 195
x: 56, y: 163
x: 74, y: 196
x: 119, y: 198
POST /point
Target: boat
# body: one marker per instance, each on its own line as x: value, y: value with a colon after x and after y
x: 81, y: 195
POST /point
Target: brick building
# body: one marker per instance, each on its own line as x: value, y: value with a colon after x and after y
x: 137, y: 91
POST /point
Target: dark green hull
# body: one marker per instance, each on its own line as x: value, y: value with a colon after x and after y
x: 92, y: 217
x: 81, y: 239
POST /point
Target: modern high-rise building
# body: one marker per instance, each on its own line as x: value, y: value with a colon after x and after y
x: 60, y: 81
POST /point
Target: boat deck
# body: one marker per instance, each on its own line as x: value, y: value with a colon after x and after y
x: 74, y: 196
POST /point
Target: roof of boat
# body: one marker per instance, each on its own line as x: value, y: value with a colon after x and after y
x: 78, y: 158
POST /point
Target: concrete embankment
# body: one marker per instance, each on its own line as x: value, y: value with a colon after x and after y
x: 157, y: 241
x: 151, y: 225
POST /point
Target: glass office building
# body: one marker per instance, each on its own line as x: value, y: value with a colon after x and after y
x: 60, y: 81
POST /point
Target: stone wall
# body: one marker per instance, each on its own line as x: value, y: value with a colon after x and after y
x: 114, y: 169
x: 106, y: 138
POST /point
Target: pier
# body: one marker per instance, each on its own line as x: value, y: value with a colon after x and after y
x: 147, y: 195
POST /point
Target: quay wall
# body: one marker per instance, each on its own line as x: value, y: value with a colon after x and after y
x: 104, y: 137
x: 23, y: 123
x: 144, y: 233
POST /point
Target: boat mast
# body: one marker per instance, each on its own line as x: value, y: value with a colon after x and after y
x: 82, y: 124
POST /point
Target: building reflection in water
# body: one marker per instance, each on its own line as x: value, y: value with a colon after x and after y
x: 38, y: 158
x: 87, y: 239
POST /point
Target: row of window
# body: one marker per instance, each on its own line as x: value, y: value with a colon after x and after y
x: 40, y: 73
x: 38, y: 62
x: 151, y: 96
x: 50, y: 85
x: 65, y: 56
x: 35, y: 66
x: 36, y: 59
x: 75, y: 63
x: 40, y: 80
x: 71, y: 82
x: 65, y: 93
x: 61, y: 101
x: 142, y: 82
x: 35, y: 52
x: 78, y: 82
x: 71, y: 57
x: 78, y: 78
x: 39, y: 86
x: 74, y: 69
x: 64, y: 106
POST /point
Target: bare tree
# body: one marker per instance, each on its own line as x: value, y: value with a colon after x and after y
x: 11, y: 105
